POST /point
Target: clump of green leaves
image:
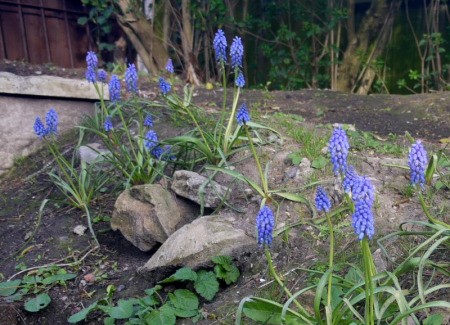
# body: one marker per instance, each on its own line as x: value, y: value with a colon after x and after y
x: 37, y: 284
x: 179, y: 303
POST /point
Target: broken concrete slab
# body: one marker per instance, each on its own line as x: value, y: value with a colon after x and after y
x: 49, y: 86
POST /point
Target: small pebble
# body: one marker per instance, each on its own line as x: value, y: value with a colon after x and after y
x: 120, y: 288
x: 90, y: 277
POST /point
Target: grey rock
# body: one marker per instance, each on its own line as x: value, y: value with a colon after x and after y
x: 304, y: 170
x: 291, y: 172
x: 50, y: 86
x: 379, y: 261
x: 188, y: 185
x: 147, y: 215
x: 92, y: 153
x: 79, y: 230
x: 194, y: 244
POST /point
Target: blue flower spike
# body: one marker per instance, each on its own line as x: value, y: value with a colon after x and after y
x: 338, y: 148
x: 151, y: 140
x: 39, y: 128
x: 323, y: 202
x: 169, y: 66
x: 363, y: 195
x: 114, y: 89
x: 51, y: 120
x: 236, y: 53
x: 220, y: 46
x: 417, y: 162
x: 265, y: 223
x: 108, y: 126
x: 164, y: 86
x: 131, y: 79
x: 92, y: 64
x: 240, y: 80
x: 243, y: 116
x: 148, y: 121
x: 351, y: 176
x: 102, y: 75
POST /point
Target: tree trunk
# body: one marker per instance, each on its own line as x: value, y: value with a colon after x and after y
x: 140, y: 32
x: 187, y: 40
x: 367, y: 36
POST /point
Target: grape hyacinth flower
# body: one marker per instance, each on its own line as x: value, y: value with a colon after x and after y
x: 362, y: 219
x: 164, y: 86
x: 131, y: 79
x: 417, y: 162
x: 92, y: 64
x: 351, y: 176
x: 114, y: 88
x: 338, y: 148
x: 151, y: 140
x: 102, y: 75
x: 51, y: 120
x: 243, y: 116
x: 169, y: 66
x: 236, y: 52
x: 240, y: 80
x: 265, y: 223
x: 323, y: 202
x: 39, y: 128
x: 220, y: 46
x: 108, y: 126
x: 148, y: 121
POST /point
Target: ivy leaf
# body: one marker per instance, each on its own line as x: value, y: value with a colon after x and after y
x: 82, y: 314
x: 9, y: 287
x: 183, y: 274
x: 39, y: 302
x: 206, y: 284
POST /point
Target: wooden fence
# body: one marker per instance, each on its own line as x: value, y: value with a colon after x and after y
x: 43, y: 31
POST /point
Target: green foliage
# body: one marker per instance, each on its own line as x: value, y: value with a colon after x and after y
x: 361, y: 140
x: 37, y: 284
x: 179, y: 303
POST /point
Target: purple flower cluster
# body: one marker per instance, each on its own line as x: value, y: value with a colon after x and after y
x: 417, y: 162
x: 51, y: 120
x: 131, y: 79
x: 92, y: 64
x: 114, y: 88
x: 323, y: 202
x: 363, y: 195
x: 240, y: 80
x: 243, y: 116
x: 220, y: 46
x: 236, y: 53
x: 265, y: 223
x: 338, y: 148
x: 163, y: 152
x: 164, y: 86
x: 148, y: 121
x: 102, y: 75
x: 151, y: 140
x: 350, y: 178
x: 108, y: 126
x: 169, y: 66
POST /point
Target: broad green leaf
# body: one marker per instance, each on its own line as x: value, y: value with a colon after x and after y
x: 58, y: 277
x: 82, y: 314
x: 109, y: 321
x: 123, y: 310
x: 206, y: 284
x: 183, y: 274
x: 39, y: 302
x: 229, y: 275
x: 161, y: 317
x: 9, y: 287
x: 222, y: 260
x: 319, y: 163
x: 435, y: 319
x: 184, y: 299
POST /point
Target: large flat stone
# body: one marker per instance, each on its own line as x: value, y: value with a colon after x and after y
x: 49, y: 86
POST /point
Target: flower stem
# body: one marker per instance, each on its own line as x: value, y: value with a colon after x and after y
x: 230, y: 122
x: 369, y: 286
x: 278, y: 280
x: 428, y: 214
x: 258, y: 164
x: 330, y: 265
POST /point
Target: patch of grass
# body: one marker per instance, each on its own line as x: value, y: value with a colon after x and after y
x: 360, y: 141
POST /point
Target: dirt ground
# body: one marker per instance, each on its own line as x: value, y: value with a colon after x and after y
x: 28, y: 240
